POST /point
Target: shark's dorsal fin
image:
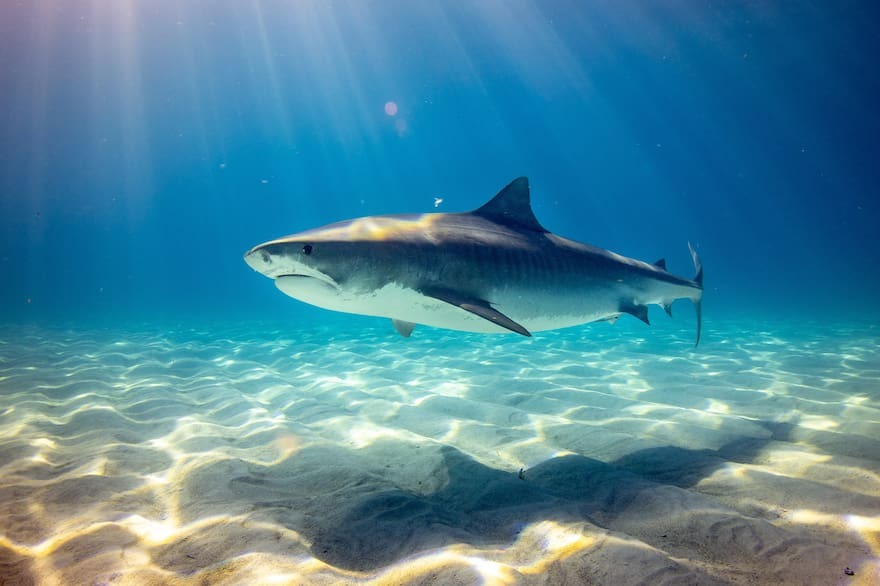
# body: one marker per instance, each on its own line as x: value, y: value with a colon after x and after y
x: 512, y: 207
x: 661, y: 264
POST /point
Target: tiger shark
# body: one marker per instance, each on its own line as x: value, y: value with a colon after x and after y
x: 492, y: 270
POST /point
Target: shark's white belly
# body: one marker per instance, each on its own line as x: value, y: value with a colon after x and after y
x: 403, y: 303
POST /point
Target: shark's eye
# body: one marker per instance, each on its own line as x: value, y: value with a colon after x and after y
x: 307, y: 249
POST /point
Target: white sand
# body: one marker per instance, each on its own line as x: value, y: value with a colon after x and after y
x: 260, y: 456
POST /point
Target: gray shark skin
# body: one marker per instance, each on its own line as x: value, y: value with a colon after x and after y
x: 492, y: 270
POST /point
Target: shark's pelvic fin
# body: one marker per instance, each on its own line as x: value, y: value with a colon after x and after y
x: 404, y: 328
x: 639, y: 311
x: 477, y: 307
x: 667, y: 307
x: 512, y: 207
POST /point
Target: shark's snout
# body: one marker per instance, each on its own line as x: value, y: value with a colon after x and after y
x: 259, y: 259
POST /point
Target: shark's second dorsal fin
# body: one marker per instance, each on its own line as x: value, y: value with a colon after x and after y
x: 512, y: 206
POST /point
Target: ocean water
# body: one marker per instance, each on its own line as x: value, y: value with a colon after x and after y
x: 168, y: 417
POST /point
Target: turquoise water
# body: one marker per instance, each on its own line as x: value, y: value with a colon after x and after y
x: 168, y: 417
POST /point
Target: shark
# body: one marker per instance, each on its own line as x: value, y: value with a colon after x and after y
x: 495, y: 269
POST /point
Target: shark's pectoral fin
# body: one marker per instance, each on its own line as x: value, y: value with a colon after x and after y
x: 495, y: 316
x: 639, y: 311
x: 404, y: 328
x: 477, y: 307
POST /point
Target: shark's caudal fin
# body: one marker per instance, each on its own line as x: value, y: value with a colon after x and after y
x: 698, y: 279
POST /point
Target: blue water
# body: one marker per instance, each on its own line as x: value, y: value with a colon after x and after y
x: 168, y: 417
x: 145, y: 146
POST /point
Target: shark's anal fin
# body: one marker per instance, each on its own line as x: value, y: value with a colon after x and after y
x: 404, y: 328
x: 639, y: 311
x: 477, y: 307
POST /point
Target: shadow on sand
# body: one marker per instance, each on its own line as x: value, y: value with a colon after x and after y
x: 356, y: 523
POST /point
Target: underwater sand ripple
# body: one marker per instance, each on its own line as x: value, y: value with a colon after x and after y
x: 190, y: 456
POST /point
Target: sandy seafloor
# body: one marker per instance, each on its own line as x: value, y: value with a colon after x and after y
x: 264, y: 454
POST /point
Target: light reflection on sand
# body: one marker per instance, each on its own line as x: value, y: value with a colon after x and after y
x: 184, y: 456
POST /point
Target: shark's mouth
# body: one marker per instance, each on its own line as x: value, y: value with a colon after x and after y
x: 300, y: 285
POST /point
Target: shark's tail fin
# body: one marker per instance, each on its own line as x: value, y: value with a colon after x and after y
x: 698, y: 279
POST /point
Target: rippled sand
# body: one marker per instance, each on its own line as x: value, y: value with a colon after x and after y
x: 262, y: 455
